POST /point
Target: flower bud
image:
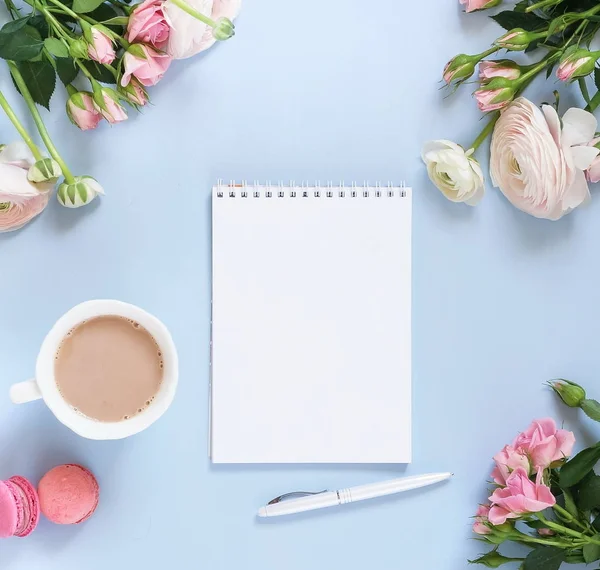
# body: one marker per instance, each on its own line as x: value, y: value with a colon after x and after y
x: 545, y: 532
x: 100, y: 46
x: 576, y: 63
x: 78, y: 193
x: 515, y: 40
x: 134, y: 93
x: 224, y: 29
x: 497, y: 94
x: 460, y: 68
x: 570, y: 393
x: 475, y: 5
x: 81, y: 111
x: 501, y: 68
x: 106, y: 101
x: 78, y: 49
x: 44, y: 170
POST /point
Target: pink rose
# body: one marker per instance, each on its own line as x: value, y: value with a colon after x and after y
x: 20, y: 199
x: 544, y: 443
x: 593, y: 172
x: 539, y: 163
x: 520, y: 496
x: 100, y: 48
x: 503, y: 68
x: 144, y: 63
x: 148, y: 24
x: 507, y: 461
x: 82, y: 112
x: 109, y: 106
x: 472, y: 5
x: 481, y: 518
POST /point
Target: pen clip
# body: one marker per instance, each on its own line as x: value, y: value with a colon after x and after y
x: 294, y: 495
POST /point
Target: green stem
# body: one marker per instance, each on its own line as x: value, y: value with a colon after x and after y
x: 39, y: 123
x: 66, y: 9
x: 485, y: 132
x: 192, y: 12
x: 542, y: 4
x: 584, y: 89
x: 567, y: 515
x: 127, y: 9
x: 20, y: 128
x: 594, y: 102
x: 564, y: 530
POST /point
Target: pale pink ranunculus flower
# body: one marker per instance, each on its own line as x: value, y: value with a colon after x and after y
x: 593, y: 172
x: 481, y: 517
x: 101, y: 48
x: 20, y: 199
x: 82, y: 111
x: 190, y: 36
x: 520, y: 496
x: 148, y: 24
x: 472, y: 5
x: 144, y: 63
x: 507, y: 460
x: 503, y: 68
x: 544, y: 443
x: 539, y: 165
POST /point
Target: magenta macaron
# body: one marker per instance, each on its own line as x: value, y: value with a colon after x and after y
x: 68, y: 494
x: 19, y: 507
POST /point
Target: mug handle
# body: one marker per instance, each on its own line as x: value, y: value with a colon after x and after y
x: 24, y: 392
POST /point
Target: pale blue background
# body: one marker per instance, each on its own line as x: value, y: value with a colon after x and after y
x: 334, y: 89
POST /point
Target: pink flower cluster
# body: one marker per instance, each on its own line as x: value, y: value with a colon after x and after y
x: 519, y: 473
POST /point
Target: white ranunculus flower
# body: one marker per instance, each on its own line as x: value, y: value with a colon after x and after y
x: 190, y: 36
x: 538, y: 165
x: 455, y: 172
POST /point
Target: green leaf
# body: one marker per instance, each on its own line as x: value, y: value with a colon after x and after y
x: 106, y: 13
x: 536, y: 524
x: 510, y: 19
x: 579, y: 466
x: 67, y: 70
x: 591, y: 552
x: 570, y: 505
x: 22, y: 45
x: 14, y: 26
x: 99, y: 72
x: 56, y: 47
x: 40, y: 78
x: 84, y: 6
x: 544, y: 558
x: 597, y: 77
x: 596, y: 523
x: 591, y: 407
x: 39, y: 23
x: 117, y: 21
x: 589, y: 494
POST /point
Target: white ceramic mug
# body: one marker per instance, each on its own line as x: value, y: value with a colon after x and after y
x: 44, y: 385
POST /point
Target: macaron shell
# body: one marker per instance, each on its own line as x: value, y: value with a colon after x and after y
x: 68, y: 494
x: 8, y: 511
x: 28, y: 505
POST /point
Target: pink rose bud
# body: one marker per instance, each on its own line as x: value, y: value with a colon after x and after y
x: 473, y: 5
x: 460, y: 68
x: 134, y: 93
x: 144, y: 63
x: 82, y: 112
x: 502, y: 68
x: 576, y: 63
x: 545, y: 532
x: 593, y: 172
x: 497, y: 94
x: 507, y: 461
x: 106, y: 101
x: 148, y: 24
x: 481, y: 524
x: 516, y: 40
x: 100, y: 45
x: 570, y: 393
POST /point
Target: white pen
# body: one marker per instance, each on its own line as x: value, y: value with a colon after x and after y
x: 311, y: 501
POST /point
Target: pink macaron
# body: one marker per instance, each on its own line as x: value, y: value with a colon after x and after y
x: 68, y: 494
x: 19, y: 507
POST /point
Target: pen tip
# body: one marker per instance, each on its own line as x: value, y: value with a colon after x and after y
x: 262, y: 512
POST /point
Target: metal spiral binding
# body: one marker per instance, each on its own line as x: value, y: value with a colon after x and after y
x: 306, y: 190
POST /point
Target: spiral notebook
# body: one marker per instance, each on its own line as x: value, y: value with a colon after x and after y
x: 311, y: 324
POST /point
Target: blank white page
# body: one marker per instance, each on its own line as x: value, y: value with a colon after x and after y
x: 311, y: 330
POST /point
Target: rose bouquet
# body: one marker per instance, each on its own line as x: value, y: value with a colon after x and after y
x: 106, y: 54
x: 543, y: 498
x: 540, y: 162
